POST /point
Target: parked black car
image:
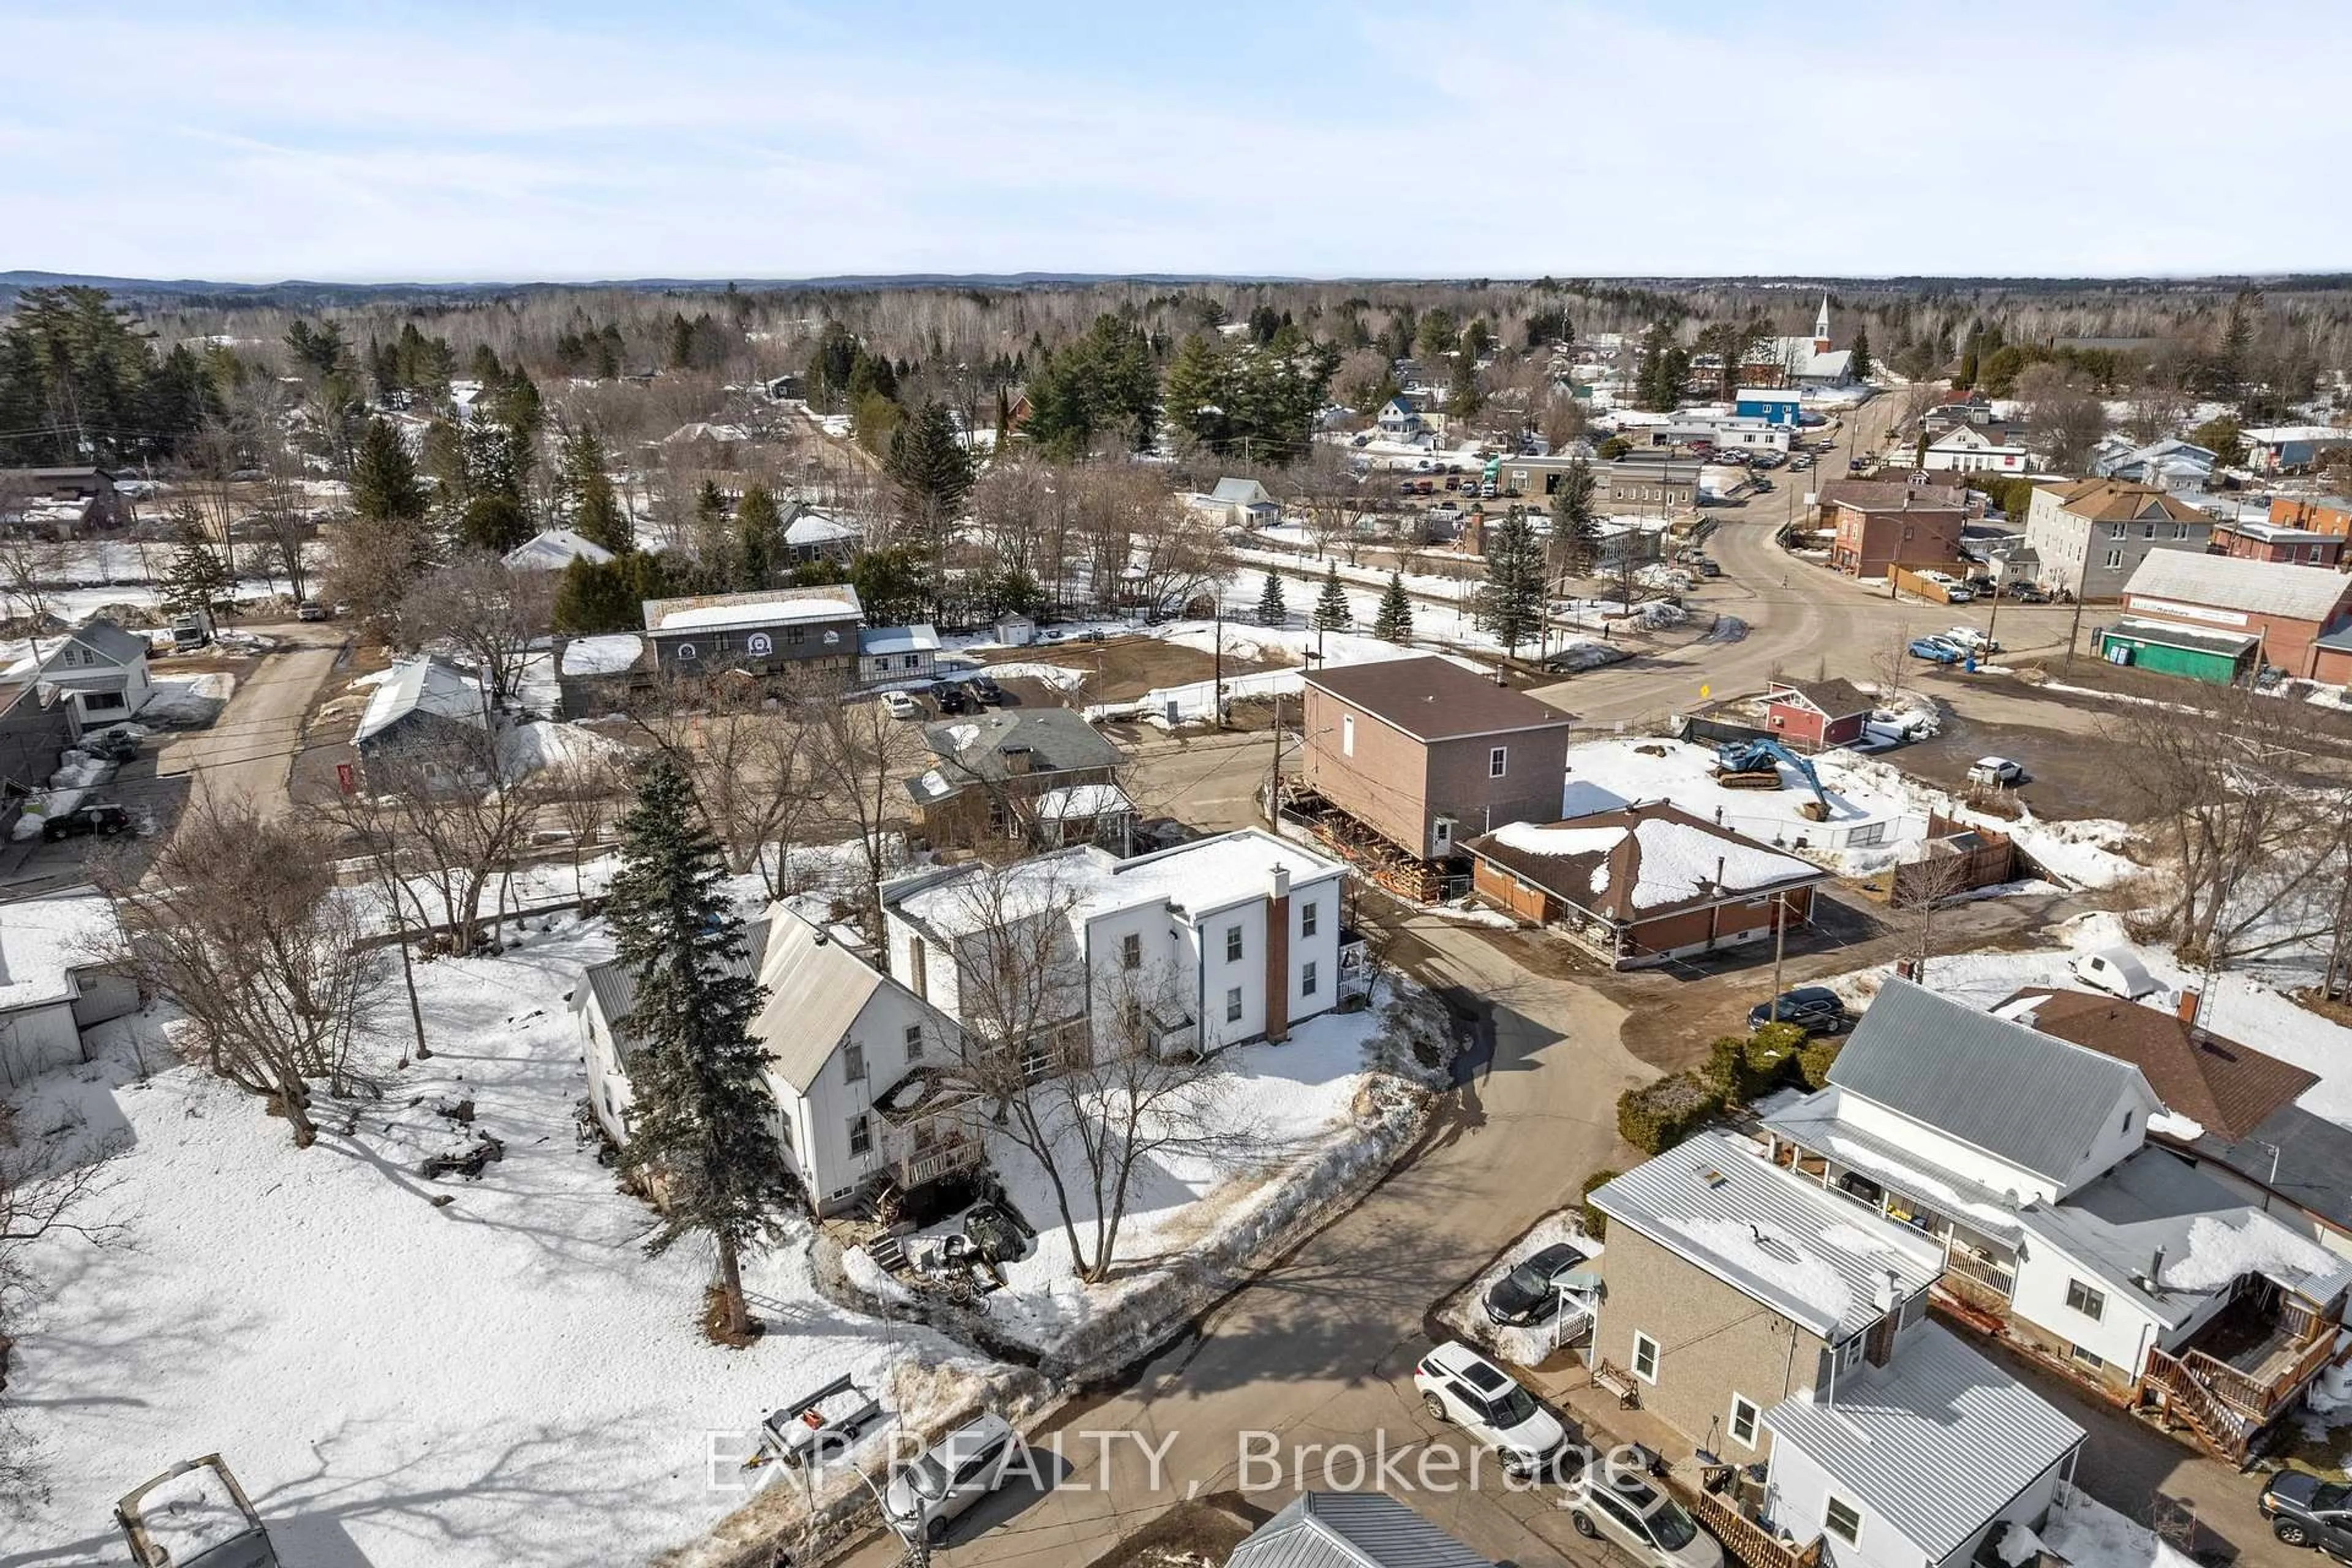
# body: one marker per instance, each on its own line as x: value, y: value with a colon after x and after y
x: 2305, y: 1510
x: 1524, y: 1295
x: 2026, y: 594
x: 110, y: 745
x: 102, y: 818
x: 1812, y: 1008
x: 949, y: 696
x: 983, y: 690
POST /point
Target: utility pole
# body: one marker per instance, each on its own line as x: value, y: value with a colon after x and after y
x: 2075, y: 626
x: 1274, y: 765
x: 1779, y: 940
x: 1217, y: 688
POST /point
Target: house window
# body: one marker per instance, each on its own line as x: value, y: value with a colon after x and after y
x: 1499, y: 761
x: 861, y: 1135
x: 2150, y: 532
x: 1307, y: 979
x: 1130, y: 950
x: 796, y: 635
x: 1646, y: 1358
x: 2087, y: 1359
x: 1232, y: 945
x: 1234, y: 1005
x: 1843, y: 1519
x: 852, y: 1063
x: 2180, y: 531
x: 1347, y: 734
x: 914, y: 1042
x: 2119, y: 531
x: 1306, y: 920
x: 1743, y: 1421
x: 2092, y: 1304
x: 2115, y: 560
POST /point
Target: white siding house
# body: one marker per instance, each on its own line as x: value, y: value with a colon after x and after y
x: 1969, y: 450
x: 103, y: 668
x: 1236, y: 938
x: 54, y: 982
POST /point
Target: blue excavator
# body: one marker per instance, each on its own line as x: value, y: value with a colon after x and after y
x: 1756, y: 764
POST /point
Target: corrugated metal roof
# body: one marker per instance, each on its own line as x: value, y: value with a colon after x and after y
x: 1816, y: 1260
x: 2234, y: 582
x: 816, y: 988
x: 2037, y: 1102
x: 421, y: 685
x: 1814, y: 1122
x: 1351, y: 1529
x: 615, y: 988
x: 1933, y: 1443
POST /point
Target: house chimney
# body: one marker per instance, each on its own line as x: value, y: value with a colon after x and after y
x: 1277, y: 957
x: 1017, y: 761
x: 1883, y: 1295
x: 2156, y: 1271
x: 1282, y: 881
x: 2186, y: 1008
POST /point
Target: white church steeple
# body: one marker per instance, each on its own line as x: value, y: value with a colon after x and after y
x: 1821, y: 328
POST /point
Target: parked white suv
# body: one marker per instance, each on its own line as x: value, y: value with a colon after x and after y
x: 1624, y: 1508
x: 969, y: 1463
x: 1460, y: 1385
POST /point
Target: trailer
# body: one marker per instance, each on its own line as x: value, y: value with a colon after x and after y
x: 818, y: 1427
x: 194, y: 1515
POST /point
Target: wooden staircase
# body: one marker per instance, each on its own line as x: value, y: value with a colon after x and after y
x: 2223, y: 1430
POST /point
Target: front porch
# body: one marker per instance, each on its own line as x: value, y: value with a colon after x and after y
x: 1979, y: 1258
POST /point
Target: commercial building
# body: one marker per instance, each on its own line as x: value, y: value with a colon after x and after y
x: 2092, y: 536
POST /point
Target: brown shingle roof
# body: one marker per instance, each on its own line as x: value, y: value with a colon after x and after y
x: 1869, y: 493
x: 1436, y: 699
x: 1836, y: 699
x: 2227, y: 1088
x: 1642, y: 863
x: 2114, y: 500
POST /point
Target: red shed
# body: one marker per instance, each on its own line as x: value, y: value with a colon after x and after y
x: 1813, y: 715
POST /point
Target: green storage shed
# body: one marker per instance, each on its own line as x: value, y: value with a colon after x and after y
x: 2165, y: 648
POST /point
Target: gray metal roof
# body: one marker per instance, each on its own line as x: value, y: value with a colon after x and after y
x: 2229, y: 582
x: 2016, y: 1093
x: 2196, y: 639
x: 816, y: 989
x: 2208, y: 1233
x: 2306, y: 1158
x: 105, y: 638
x: 1351, y: 1530
x: 1816, y: 1260
x: 615, y: 989
x: 1814, y: 1122
x: 978, y: 746
x: 1934, y: 1444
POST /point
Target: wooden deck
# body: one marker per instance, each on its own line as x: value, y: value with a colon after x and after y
x: 1749, y: 1541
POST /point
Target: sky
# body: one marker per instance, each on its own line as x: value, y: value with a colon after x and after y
x: 252, y: 140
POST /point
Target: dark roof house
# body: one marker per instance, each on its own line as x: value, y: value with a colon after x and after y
x: 1434, y: 699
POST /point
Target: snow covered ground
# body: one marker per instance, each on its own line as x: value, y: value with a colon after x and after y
x: 1879, y: 814
x: 406, y: 1373
x: 2087, y: 1533
x: 1305, y: 1122
x: 188, y: 701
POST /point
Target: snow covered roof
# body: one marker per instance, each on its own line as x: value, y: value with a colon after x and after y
x: 553, y: 549
x: 1206, y: 875
x: 1815, y: 1123
x: 43, y: 940
x: 2272, y: 434
x: 1935, y: 1442
x: 813, y: 528
x: 875, y: 640
x: 1241, y: 492
x: 2229, y: 582
x: 1641, y: 863
x: 816, y: 988
x: 1816, y: 1260
x: 1082, y: 800
x: 610, y: 653
x: 420, y: 685
x: 767, y: 608
x: 2034, y: 1101
x: 2208, y: 1234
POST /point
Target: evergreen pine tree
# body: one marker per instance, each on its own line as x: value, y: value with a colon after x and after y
x: 1393, y: 622
x: 384, y: 486
x: 704, y: 1121
x: 198, y: 574
x: 1196, y: 393
x: 1511, y: 599
x: 1331, y: 611
x: 932, y: 469
x: 597, y: 512
x: 1463, y: 397
x: 1576, y: 531
x: 760, y: 537
x: 1271, y: 611
x: 1860, y: 364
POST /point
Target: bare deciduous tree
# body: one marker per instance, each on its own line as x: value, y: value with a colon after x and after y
x: 859, y: 757
x: 496, y: 617
x: 747, y: 756
x: 1091, y: 1075
x: 240, y: 923
x: 452, y: 824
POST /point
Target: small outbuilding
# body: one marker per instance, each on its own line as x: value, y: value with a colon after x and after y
x: 1814, y: 715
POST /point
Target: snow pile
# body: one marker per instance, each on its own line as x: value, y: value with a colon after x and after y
x: 1659, y: 614
x: 409, y: 1372
x: 1874, y: 808
x: 526, y: 749
x: 40, y: 808
x: 2019, y: 1545
x: 187, y: 700
x: 1529, y: 1346
x: 79, y: 769
x: 2172, y: 1124
x: 1583, y: 653
x: 1767, y: 1253
x: 2089, y: 1534
x: 609, y: 653
x: 2218, y: 1252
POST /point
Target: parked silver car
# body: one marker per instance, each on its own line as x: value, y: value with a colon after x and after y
x: 926, y: 1496
x: 1624, y: 1508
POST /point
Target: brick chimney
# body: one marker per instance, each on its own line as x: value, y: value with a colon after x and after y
x: 2185, y: 1009
x: 1277, y: 956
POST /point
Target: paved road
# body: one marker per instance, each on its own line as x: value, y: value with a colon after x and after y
x: 246, y: 754
x: 1320, y: 1348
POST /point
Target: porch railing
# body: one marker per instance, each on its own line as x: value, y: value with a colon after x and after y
x: 1749, y: 1541
x: 930, y: 1164
x: 1983, y: 1271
